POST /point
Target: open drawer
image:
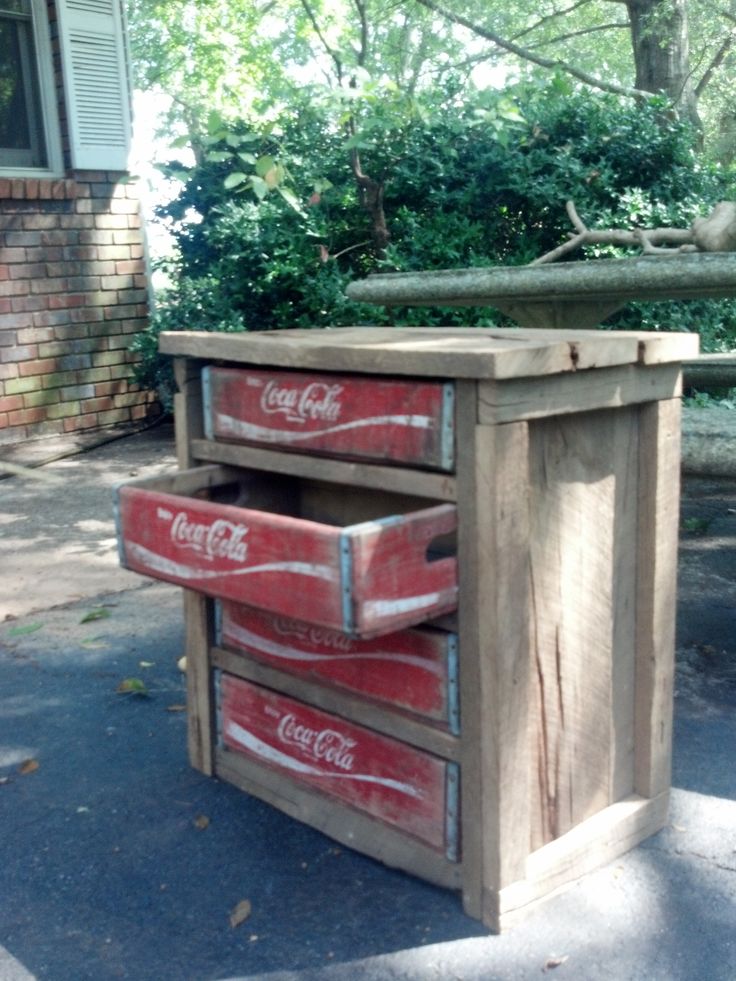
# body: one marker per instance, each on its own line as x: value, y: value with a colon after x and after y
x: 392, y: 420
x: 399, y: 785
x: 364, y: 563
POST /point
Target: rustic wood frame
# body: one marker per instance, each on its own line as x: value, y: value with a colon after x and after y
x: 531, y: 406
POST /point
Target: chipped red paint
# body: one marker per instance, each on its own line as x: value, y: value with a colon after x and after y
x: 366, y: 579
x: 408, y: 669
x: 383, y: 419
x: 401, y: 786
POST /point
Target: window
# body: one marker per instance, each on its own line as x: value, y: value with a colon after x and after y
x: 28, y: 127
x: 94, y: 80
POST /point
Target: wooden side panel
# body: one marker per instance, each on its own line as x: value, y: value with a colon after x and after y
x: 579, y: 465
x: 343, y: 415
x: 659, y: 500
x: 398, y: 784
x: 412, y: 670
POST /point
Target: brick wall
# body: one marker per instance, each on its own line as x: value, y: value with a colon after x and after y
x: 72, y: 294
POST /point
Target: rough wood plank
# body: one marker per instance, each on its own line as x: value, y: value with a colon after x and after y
x: 338, y: 821
x: 592, y: 844
x: 441, y: 487
x: 468, y: 622
x: 188, y: 412
x: 198, y: 638
x: 423, y: 352
x: 573, y: 506
x: 659, y: 484
x: 494, y: 657
x: 578, y: 391
x: 391, y: 723
x: 623, y: 648
x: 502, y: 494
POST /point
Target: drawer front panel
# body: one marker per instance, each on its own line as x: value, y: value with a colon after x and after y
x: 366, y: 418
x: 401, y: 786
x: 365, y: 579
x: 413, y: 670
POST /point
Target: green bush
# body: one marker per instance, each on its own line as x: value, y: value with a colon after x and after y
x: 482, y: 182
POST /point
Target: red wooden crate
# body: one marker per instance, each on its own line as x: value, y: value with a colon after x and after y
x: 414, y: 670
x: 343, y: 415
x: 401, y: 786
x: 364, y: 579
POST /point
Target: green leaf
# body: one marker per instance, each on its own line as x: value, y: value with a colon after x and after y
x: 218, y: 156
x: 291, y: 199
x: 99, y: 614
x: 234, y: 180
x: 264, y: 165
x: 29, y: 628
x: 132, y: 686
x: 247, y: 158
x: 259, y: 186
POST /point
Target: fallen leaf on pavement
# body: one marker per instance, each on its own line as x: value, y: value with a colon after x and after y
x: 553, y: 962
x: 99, y: 614
x: 241, y: 913
x: 28, y: 766
x: 201, y: 822
x: 131, y: 686
x: 29, y: 628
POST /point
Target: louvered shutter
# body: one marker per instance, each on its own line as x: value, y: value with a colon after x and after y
x: 92, y: 40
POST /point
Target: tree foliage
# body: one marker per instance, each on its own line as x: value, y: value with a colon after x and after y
x: 467, y: 182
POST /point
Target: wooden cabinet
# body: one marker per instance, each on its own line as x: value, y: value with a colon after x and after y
x: 531, y: 552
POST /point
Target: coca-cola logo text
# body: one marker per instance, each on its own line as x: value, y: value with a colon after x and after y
x: 220, y: 540
x: 326, y: 745
x: 314, y: 636
x: 315, y: 401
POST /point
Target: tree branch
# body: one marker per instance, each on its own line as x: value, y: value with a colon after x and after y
x: 528, y: 55
x: 715, y: 64
x: 549, y: 17
x: 337, y: 60
x: 583, y: 30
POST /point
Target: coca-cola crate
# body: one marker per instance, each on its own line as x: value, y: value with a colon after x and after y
x: 399, y: 785
x: 414, y: 670
x: 366, y: 578
x: 387, y: 419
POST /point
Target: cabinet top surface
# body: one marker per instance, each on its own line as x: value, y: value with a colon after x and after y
x: 462, y: 352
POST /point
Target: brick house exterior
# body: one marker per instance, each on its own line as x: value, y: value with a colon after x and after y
x: 73, y: 279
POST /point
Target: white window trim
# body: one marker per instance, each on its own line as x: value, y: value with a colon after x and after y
x: 47, y: 94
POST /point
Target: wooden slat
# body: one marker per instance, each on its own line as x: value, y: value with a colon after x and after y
x: 574, y: 464
x: 592, y: 844
x: 438, y: 486
x: 623, y: 647
x: 338, y: 821
x: 502, y: 494
x: 198, y: 625
x: 659, y: 483
x: 391, y: 723
x: 421, y: 352
x: 494, y: 658
x: 579, y: 391
x: 188, y: 413
x: 468, y: 623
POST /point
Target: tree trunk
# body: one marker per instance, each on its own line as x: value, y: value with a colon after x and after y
x: 660, y: 41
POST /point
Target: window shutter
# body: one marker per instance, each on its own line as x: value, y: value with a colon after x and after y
x: 91, y: 34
